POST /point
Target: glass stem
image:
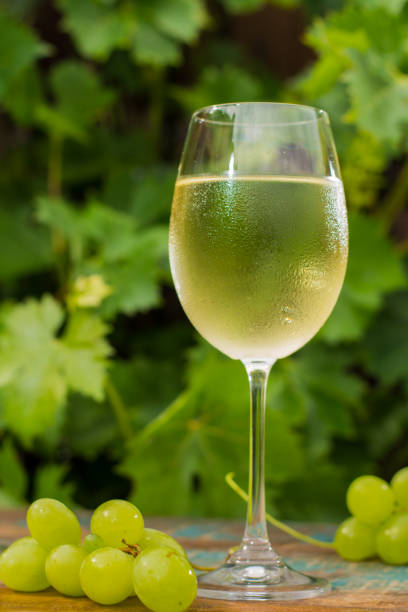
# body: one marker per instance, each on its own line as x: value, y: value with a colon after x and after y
x: 256, y: 534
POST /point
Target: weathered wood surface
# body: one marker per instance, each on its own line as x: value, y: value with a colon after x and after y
x: 357, y: 587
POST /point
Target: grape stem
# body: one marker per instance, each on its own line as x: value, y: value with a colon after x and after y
x: 131, y: 549
x: 229, y: 478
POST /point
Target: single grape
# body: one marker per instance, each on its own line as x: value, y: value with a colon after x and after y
x: 399, y: 485
x: 51, y: 523
x: 117, y: 520
x: 355, y: 540
x: 22, y: 566
x: 153, y: 538
x: 92, y: 542
x: 164, y: 580
x: 62, y: 569
x: 370, y: 499
x: 392, y: 540
x: 106, y: 576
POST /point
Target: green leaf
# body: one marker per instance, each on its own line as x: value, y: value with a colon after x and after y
x: 179, y: 19
x: 135, y: 277
x: 374, y: 269
x: 18, y: 8
x: 24, y: 246
x: 57, y: 123
x: 13, y: 477
x: 322, y: 76
x: 24, y: 96
x: 226, y: 84
x: 80, y: 98
x: 153, y: 48
x: 50, y: 481
x: 392, y: 6
x: 145, y: 193
x: 324, y: 404
x: 385, y: 347
x: 19, y: 49
x: 107, y: 242
x: 369, y: 54
x: 83, y: 352
x: 379, y: 98
x: 207, y: 429
x: 79, y: 93
x: 33, y: 388
x: 96, y: 29
x: 243, y: 6
x: 149, y: 31
x: 37, y: 368
x: 59, y: 215
x: 384, y: 429
x: 362, y: 171
x: 90, y: 428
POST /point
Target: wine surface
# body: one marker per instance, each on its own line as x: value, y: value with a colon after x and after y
x: 258, y: 261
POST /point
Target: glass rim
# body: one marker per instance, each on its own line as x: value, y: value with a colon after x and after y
x: 318, y: 112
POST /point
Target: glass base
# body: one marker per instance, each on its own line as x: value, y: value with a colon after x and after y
x: 275, y: 581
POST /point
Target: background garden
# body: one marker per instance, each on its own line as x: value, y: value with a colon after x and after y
x: 105, y: 388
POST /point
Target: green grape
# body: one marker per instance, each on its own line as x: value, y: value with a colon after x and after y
x: 164, y: 580
x: 392, y: 540
x: 92, y: 542
x: 106, y: 576
x: 370, y: 499
x: 22, y: 566
x: 153, y: 538
x: 399, y: 485
x: 354, y: 540
x: 51, y: 523
x: 62, y: 569
x: 117, y: 520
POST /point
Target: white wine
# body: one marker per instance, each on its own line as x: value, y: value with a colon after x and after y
x: 258, y: 261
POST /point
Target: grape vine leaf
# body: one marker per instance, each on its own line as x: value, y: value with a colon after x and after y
x: 153, y: 48
x: 38, y: 365
x: 324, y: 406
x: 385, y: 346
x: 178, y: 19
x: 226, y: 84
x: 24, y: 246
x: 392, y: 6
x: 33, y: 388
x: 50, y: 481
x: 97, y: 28
x: 13, y: 477
x: 362, y: 171
x: 19, y: 49
x: 80, y: 99
x: 243, y: 6
x: 145, y: 193
x: 107, y: 242
x: 369, y: 56
x: 374, y: 269
x: 374, y: 90
x: 151, y: 32
x: 90, y: 427
x: 385, y: 430
x: 83, y: 354
x: 203, y: 435
x: 24, y: 96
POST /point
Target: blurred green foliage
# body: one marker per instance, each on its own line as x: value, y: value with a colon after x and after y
x: 105, y: 389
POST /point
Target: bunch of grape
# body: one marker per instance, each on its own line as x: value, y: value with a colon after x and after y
x: 379, y: 521
x: 119, y: 559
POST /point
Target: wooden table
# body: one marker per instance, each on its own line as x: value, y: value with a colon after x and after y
x: 356, y: 586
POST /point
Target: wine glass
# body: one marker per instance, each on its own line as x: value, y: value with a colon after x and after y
x: 258, y: 252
